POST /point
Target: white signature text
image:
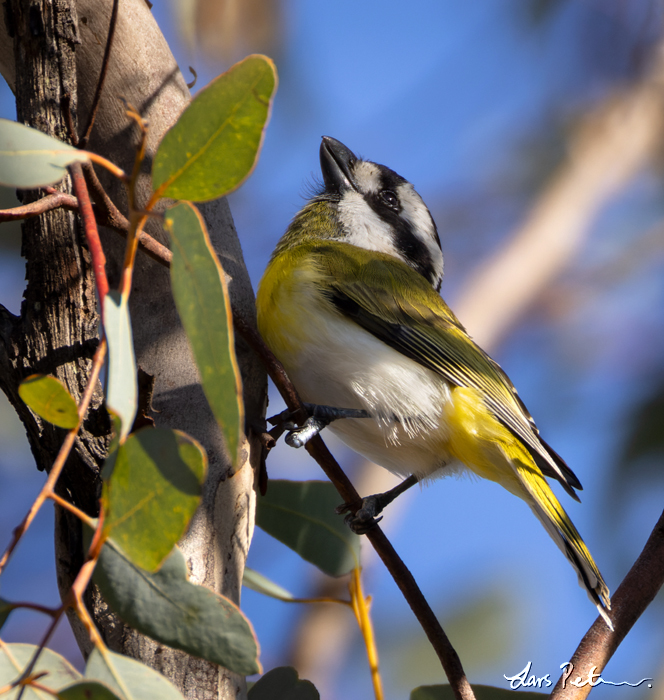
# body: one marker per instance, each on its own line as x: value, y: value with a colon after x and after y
x: 525, y: 679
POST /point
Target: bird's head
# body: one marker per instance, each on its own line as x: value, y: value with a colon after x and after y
x: 377, y: 209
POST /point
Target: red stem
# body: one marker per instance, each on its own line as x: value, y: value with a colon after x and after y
x: 91, y: 232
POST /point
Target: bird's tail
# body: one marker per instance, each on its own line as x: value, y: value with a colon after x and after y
x: 551, y: 514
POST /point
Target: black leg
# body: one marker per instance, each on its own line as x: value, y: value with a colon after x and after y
x: 319, y: 418
x: 365, y: 518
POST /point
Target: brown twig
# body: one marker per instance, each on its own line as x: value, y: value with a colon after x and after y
x: 400, y: 573
x: 114, y: 218
x: 107, y: 214
x: 25, y: 676
x: 58, y: 465
x: 40, y: 206
x: 69, y: 119
x: 73, y: 599
x: 102, y: 76
x: 628, y: 603
x: 91, y: 232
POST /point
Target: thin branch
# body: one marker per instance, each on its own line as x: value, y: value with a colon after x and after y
x: 102, y: 76
x: 90, y: 522
x: 107, y: 214
x: 37, y: 608
x: 628, y: 603
x: 58, y: 465
x: 155, y: 249
x: 35, y: 657
x: 114, y: 217
x: 91, y: 233
x: 40, y: 206
x: 69, y: 119
x: 403, y: 578
x: 74, y: 599
x: 109, y: 165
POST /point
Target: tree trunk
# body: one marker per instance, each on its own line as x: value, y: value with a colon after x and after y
x: 56, y: 331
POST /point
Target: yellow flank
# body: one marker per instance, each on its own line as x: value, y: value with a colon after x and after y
x: 480, y: 442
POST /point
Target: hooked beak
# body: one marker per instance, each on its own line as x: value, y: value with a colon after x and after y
x: 336, y: 162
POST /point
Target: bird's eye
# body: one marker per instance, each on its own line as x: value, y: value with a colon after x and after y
x: 389, y: 198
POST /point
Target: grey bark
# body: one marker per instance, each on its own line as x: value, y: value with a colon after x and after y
x: 56, y: 332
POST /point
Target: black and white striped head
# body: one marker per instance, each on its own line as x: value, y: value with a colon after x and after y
x: 379, y: 210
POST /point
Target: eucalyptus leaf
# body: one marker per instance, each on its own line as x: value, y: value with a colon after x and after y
x: 201, y: 298
x: 261, y: 584
x: 170, y: 609
x: 29, y: 158
x: 301, y: 514
x: 214, y: 144
x: 152, y: 493
x: 14, y: 658
x: 121, y: 382
x: 50, y: 400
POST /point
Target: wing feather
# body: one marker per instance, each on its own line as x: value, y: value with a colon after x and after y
x: 398, y: 306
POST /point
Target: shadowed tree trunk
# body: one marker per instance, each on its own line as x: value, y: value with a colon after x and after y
x: 59, y: 47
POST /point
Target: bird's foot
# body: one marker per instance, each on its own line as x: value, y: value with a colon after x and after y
x: 319, y: 418
x: 364, y: 518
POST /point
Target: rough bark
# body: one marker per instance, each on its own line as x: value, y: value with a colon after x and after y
x: 143, y: 71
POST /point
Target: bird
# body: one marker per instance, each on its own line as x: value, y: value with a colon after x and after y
x: 350, y: 305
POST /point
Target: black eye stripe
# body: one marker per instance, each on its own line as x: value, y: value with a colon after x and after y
x: 410, y: 246
x: 414, y: 250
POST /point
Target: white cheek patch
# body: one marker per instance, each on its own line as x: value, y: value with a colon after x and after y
x: 415, y: 211
x: 363, y: 227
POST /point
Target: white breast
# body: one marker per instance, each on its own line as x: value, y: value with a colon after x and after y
x: 339, y: 364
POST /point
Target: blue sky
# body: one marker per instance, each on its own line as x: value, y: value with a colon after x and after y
x: 451, y: 96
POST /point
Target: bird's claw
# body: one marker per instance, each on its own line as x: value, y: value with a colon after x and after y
x: 300, y: 436
x: 364, y: 518
x: 319, y: 417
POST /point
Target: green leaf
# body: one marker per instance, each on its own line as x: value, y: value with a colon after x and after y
x: 153, y: 492
x: 283, y: 684
x: 87, y: 690
x: 128, y: 678
x: 121, y: 382
x: 15, y: 657
x: 30, y: 158
x: 261, y: 584
x: 301, y: 515
x: 482, y: 692
x: 5, y: 609
x: 49, y: 399
x: 201, y: 297
x: 173, y: 611
x: 214, y: 144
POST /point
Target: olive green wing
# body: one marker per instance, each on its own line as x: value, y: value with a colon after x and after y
x: 398, y: 306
